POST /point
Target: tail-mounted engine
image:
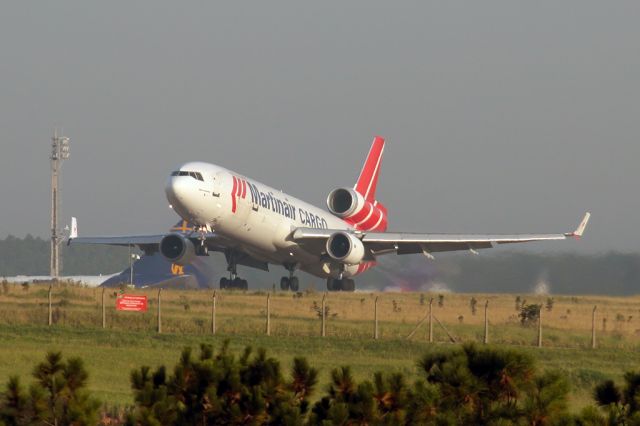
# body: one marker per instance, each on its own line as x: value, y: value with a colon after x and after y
x: 177, y: 249
x: 351, y: 206
x: 345, y: 248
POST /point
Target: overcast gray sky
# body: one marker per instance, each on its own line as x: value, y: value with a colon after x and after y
x: 499, y: 116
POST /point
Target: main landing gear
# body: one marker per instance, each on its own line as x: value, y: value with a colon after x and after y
x: 345, y: 284
x: 291, y: 282
x: 234, y: 281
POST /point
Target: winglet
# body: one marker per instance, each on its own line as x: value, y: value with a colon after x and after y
x: 580, y: 229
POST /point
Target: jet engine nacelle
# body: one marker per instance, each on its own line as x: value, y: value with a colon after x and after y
x: 351, y: 206
x: 345, y: 248
x: 177, y: 249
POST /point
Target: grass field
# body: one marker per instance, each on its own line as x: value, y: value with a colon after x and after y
x: 130, y: 339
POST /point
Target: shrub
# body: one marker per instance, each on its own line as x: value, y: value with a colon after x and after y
x: 529, y: 314
x: 549, y: 304
x: 473, y: 304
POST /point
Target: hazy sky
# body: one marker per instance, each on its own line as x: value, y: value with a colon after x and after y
x: 499, y: 116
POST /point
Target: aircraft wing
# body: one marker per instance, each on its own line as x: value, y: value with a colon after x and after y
x: 377, y: 243
x: 124, y: 240
x: 150, y: 244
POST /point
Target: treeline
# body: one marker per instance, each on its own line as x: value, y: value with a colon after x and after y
x: 508, y: 272
x: 560, y: 273
x: 464, y: 385
x: 30, y: 256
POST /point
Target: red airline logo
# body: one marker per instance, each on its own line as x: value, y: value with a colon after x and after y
x: 239, y: 190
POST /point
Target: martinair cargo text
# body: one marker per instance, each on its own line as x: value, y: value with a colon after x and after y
x: 255, y: 225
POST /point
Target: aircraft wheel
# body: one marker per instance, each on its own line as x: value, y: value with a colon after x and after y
x: 238, y: 283
x: 244, y: 285
x: 224, y: 283
x: 284, y: 283
x: 294, y: 284
x: 334, y: 285
x: 348, y: 285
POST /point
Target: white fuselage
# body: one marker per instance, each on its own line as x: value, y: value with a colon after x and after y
x: 252, y: 217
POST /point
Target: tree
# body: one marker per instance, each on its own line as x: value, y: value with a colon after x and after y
x: 223, y: 389
x: 304, y: 380
x: 57, y: 397
x: 478, y: 385
x: 15, y: 407
x: 621, y: 404
x: 546, y: 401
x: 607, y: 393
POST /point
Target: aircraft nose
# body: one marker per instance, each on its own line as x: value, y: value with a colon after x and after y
x: 178, y: 189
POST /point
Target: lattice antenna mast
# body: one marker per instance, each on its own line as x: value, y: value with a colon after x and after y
x: 59, y: 153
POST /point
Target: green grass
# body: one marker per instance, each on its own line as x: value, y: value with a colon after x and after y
x: 111, y: 355
x: 130, y: 339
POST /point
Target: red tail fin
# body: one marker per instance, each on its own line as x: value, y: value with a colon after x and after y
x: 368, y: 180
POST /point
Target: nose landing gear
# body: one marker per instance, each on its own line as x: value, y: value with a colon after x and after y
x: 202, y: 249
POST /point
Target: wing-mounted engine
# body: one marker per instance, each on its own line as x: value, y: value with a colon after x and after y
x: 177, y: 249
x: 345, y: 248
x: 351, y: 206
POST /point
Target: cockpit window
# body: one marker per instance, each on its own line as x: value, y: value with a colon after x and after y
x: 195, y: 175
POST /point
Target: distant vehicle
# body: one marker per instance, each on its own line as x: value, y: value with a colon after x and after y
x: 255, y: 225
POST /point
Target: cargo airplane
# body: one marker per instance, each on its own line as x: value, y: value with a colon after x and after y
x: 255, y: 225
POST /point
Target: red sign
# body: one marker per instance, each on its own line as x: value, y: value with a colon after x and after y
x: 128, y: 302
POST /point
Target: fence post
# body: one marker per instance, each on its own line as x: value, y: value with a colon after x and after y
x: 593, y: 327
x: 375, y: 319
x: 159, y: 311
x: 104, y: 315
x: 324, y: 327
x: 431, y: 320
x: 540, y: 326
x: 268, y: 314
x: 486, y: 323
x: 213, y: 314
x: 50, y: 322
